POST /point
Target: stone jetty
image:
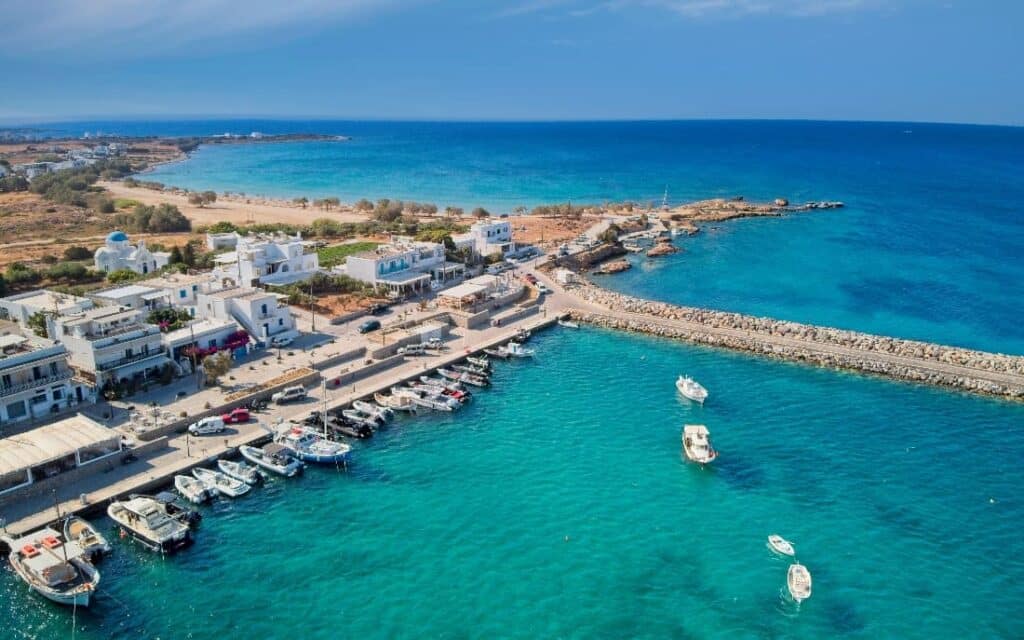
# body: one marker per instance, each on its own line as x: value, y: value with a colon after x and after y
x: 909, y: 360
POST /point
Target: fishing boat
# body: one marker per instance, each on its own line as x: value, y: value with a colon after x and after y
x: 383, y: 413
x: 395, y: 403
x: 569, y: 324
x: 448, y: 391
x: 310, y: 446
x: 273, y: 457
x: 468, y: 378
x: 221, y: 482
x: 427, y: 399
x: 691, y: 389
x: 522, y: 335
x: 479, y: 362
x: 447, y: 385
x: 80, y: 531
x: 151, y: 522
x: 240, y: 471
x: 169, y: 500
x: 517, y: 350
x: 798, y: 578
x: 56, y: 569
x: 193, y: 490
x: 781, y: 545
x: 471, y: 370
x: 355, y: 416
x: 340, y: 427
x: 697, y: 445
x: 498, y: 352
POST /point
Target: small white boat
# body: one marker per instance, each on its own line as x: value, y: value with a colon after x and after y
x: 309, y: 445
x: 273, y: 457
x: 81, y: 531
x: 697, y: 444
x: 466, y: 378
x: 443, y: 383
x: 799, y: 580
x: 240, y: 471
x: 517, y: 350
x: 781, y: 545
x: 193, y: 490
x: 356, y: 416
x: 221, y: 483
x: 58, y: 570
x: 422, y: 398
x: 395, y: 403
x: 151, y: 522
x: 691, y: 389
x: 569, y: 324
x: 483, y: 363
x: 383, y: 413
x: 472, y: 370
x: 499, y: 352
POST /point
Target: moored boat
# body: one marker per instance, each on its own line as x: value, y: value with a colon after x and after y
x: 240, y: 471
x: 479, y: 362
x: 497, y: 352
x: 568, y: 324
x: 310, y: 446
x: 471, y: 370
x: 57, y: 569
x: 781, y: 545
x: 221, y: 483
x: 383, y: 413
x: 150, y: 521
x: 691, y: 389
x: 395, y: 403
x: 517, y: 350
x: 80, y: 531
x: 273, y: 457
x: 468, y: 378
x: 193, y: 490
x: 697, y: 444
x: 798, y: 579
x: 356, y: 416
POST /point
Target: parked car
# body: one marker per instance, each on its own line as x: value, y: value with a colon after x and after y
x: 369, y: 325
x: 542, y: 288
x: 280, y: 343
x: 205, y: 426
x: 289, y: 394
x: 532, y: 279
x: 413, y: 350
x: 379, y: 308
x: 240, y: 414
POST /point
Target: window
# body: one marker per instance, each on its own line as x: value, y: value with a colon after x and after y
x: 39, y: 399
x: 280, y: 322
x: 16, y: 410
x: 212, y: 344
x: 263, y: 309
x: 182, y: 293
x: 57, y: 393
x: 37, y: 373
x: 54, y: 369
x: 128, y: 352
x: 5, y: 380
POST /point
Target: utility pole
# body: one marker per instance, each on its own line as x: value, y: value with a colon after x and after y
x: 312, y: 306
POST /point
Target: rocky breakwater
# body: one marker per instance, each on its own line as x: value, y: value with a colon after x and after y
x: 909, y: 360
x: 662, y: 247
x: 615, y: 266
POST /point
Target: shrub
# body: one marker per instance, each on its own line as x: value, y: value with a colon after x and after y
x: 106, y: 206
x: 77, y: 253
x: 122, y: 275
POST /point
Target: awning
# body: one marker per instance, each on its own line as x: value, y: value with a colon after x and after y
x: 53, y: 442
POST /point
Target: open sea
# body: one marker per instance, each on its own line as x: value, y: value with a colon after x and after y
x: 557, y: 505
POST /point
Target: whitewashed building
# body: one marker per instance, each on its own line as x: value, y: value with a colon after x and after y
x: 183, y: 289
x: 118, y: 253
x: 35, y: 379
x: 19, y: 308
x: 263, y: 315
x: 111, y: 344
x: 132, y: 296
x: 487, y: 238
x: 276, y: 260
x: 403, y: 266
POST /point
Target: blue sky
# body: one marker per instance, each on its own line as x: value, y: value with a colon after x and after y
x: 919, y: 60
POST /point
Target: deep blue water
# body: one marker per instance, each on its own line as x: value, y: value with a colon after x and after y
x: 557, y: 505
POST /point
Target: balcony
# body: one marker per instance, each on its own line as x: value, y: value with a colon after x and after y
x: 34, y: 384
x: 138, y: 357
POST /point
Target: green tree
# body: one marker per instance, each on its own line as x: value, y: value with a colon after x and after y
x: 77, y: 253
x: 216, y: 366
x: 37, y: 322
x: 302, y: 202
x: 480, y: 213
x: 175, y: 257
x: 188, y: 254
x: 122, y: 275
x: 106, y: 206
x: 363, y: 205
x: 3, y: 287
x: 222, y: 227
x: 209, y: 197
x: 196, y: 199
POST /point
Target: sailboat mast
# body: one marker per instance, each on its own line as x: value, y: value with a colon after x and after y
x: 325, y: 408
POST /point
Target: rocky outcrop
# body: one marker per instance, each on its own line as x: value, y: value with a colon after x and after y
x: 966, y: 369
x: 615, y: 266
x: 662, y: 247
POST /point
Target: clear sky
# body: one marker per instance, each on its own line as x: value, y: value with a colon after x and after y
x: 919, y: 60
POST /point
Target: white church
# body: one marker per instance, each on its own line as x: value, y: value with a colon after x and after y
x: 118, y: 253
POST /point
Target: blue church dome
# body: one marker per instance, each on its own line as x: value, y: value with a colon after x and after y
x: 117, y: 236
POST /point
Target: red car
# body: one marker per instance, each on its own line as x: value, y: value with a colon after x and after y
x: 530, y: 278
x: 241, y: 414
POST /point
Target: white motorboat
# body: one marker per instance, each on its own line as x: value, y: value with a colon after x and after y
x: 517, y: 350
x: 691, y: 389
x: 193, y: 490
x: 356, y: 416
x: 273, y: 457
x: 240, y: 471
x: 484, y: 363
x: 221, y: 482
x: 56, y: 569
x: 697, y: 444
x: 445, y: 391
x: 498, y: 352
x: 430, y: 398
x: 569, y: 324
x: 522, y: 336
x: 395, y: 403
x: 383, y: 413
x: 150, y: 521
x: 81, y: 531
x: 309, y: 445
x: 472, y: 370
x: 467, y: 378
x: 781, y: 545
x: 798, y: 578
x: 443, y: 383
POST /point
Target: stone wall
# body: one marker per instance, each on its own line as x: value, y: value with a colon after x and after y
x: 912, y: 360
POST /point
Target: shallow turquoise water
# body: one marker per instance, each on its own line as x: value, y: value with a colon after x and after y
x: 557, y: 505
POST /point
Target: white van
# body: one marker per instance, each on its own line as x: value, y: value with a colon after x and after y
x: 206, y: 426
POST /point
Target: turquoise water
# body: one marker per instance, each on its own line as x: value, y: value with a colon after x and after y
x: 558, y: 505
x: 929, y: 246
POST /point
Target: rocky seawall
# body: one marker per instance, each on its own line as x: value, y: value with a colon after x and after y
x: 910, y: 360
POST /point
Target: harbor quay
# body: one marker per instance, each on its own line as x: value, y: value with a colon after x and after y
x: 154, y: 463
